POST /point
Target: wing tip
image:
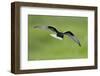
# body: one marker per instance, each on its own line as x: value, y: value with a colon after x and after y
x: 35, y: 26
x: 80, y: 45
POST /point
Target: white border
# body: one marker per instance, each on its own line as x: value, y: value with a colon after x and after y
x: 25, y: 64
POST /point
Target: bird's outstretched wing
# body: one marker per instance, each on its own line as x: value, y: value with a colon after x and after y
x: 51, y: 28
x: 73, y: 37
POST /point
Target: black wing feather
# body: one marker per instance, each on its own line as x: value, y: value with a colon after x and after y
x: 53, y: 29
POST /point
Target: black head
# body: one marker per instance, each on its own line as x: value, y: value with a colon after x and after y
x: 60, y: 34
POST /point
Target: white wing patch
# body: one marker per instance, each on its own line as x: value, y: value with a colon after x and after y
x: 55, y: 36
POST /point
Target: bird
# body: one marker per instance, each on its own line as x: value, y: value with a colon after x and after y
x: 59, y: 35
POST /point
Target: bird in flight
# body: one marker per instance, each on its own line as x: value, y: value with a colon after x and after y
x: 59, y: 35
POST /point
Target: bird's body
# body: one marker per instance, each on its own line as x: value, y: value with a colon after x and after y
x: 55, y: 36
x: 60, y: 35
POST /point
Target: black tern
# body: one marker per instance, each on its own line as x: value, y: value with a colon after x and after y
x: 59, y: 35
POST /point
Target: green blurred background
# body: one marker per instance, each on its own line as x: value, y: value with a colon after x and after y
x: 41, y: 46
